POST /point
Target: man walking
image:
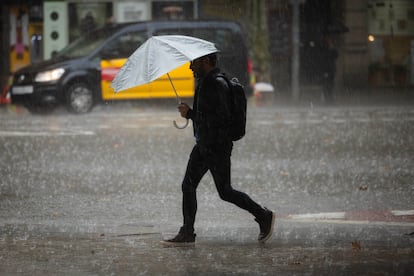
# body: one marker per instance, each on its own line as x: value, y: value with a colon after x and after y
x: 211, y: 118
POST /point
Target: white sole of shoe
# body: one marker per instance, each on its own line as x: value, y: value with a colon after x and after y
x: 177, y: 244
x: 265, y: 239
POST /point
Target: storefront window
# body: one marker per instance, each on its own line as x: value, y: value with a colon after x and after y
x: 84, y: 17
x: 391, y: 33
x: 172, y: 10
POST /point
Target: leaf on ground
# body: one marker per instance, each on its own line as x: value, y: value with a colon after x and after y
x: 356, y: 245
x: 284, y: 173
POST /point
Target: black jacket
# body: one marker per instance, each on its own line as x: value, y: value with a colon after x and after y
x: 210, y: 113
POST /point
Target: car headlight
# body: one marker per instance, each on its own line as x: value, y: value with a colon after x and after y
x: 51, y: 75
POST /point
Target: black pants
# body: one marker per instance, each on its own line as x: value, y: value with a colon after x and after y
x: 217, y: 160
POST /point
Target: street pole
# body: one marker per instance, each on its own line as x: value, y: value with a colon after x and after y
x: 296, y: 48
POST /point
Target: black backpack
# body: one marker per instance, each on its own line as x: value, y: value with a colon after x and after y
x: 238, y: 107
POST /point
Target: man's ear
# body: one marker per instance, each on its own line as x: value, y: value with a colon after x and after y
x: 207, y: 61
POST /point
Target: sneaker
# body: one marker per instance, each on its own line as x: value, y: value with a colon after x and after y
x: 266, y: 224
x: 183, y: 239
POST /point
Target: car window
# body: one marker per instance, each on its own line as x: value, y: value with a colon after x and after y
x: 84, y: 45
x: 124, y: 45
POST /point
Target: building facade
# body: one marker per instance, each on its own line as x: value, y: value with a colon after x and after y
x: 374, y: 38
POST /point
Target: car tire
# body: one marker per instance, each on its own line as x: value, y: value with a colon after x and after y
x: 79, y: 98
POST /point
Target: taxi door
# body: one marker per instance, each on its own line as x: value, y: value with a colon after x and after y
x: 183, y: 80
x: 109, y: 68
x: 117, y: 52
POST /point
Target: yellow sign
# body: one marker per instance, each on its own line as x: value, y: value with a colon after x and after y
x: 19, y: 37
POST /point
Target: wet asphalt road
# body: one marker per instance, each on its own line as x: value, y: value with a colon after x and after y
x: 94, y: 194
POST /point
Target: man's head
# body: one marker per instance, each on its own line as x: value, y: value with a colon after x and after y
x: 202, y: 65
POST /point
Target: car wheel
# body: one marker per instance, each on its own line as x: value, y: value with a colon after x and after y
x: 79, y: 98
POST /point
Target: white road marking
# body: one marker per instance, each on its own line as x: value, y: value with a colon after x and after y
x: 358, y: 222
x: 18, y: 133
x: 339, y: 218
x: 318, y: 216
x: 333, y: 121
x: 403, y: 212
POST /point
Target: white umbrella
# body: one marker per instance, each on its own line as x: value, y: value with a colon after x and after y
x: 158, y: 56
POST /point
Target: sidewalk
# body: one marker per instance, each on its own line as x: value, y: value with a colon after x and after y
x: 296, y: 249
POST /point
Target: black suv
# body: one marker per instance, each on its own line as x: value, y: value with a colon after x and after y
x: 74, y: 76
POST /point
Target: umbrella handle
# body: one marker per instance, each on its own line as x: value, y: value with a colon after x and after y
x: 180, y: 127
x: 179, y: 102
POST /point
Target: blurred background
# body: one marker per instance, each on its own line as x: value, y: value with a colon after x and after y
x: 288, y: 39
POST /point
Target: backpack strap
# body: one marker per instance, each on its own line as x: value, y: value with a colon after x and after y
x: 223, y: 76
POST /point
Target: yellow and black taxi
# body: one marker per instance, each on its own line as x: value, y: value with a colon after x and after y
x: 80, y: 75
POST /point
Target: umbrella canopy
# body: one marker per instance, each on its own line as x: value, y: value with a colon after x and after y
x: 158, y: 56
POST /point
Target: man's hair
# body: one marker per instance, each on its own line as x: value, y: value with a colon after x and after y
x: 212, y: 59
